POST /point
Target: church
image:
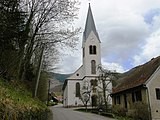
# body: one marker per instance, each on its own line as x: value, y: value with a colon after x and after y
x: 91, y: 47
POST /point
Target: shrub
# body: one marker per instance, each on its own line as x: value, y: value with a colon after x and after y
x: 119, y: 111
x: 141, y: 111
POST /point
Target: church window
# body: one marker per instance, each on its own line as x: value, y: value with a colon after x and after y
x: 77, y: 89
x: 93, y: 67
x: 92, y: 49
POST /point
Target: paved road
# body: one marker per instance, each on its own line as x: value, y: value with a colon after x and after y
x: 60, y: 113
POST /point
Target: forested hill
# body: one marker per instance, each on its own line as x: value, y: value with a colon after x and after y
x: 60, y: 77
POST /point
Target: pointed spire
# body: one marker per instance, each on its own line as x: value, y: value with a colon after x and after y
x: 90, y: 25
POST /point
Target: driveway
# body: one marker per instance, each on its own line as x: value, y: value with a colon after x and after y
x: 60, y: 113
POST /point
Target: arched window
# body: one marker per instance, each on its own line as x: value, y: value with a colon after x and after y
x: 93, y: 67
x: 92, y: 49
x: 77, y: 89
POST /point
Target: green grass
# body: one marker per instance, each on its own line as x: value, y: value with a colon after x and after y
x: 14, y: 96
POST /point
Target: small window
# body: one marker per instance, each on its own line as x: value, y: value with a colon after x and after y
x: 115, y: 101
x: 133, y: 98
x: 118, y: 99
x: 158, y: 93
x: 136, y: 96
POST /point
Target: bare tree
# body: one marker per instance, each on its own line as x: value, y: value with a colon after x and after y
x: 47, y: 22
x: 106, y: 78
x: 85, y: 93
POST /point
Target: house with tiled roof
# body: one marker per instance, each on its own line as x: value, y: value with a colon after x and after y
x: 140, y: 84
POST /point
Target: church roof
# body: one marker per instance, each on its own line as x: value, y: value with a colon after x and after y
x: 137, y: 76
x: 90, y: 25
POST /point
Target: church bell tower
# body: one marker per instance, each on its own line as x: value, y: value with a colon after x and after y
x: 91, y: 46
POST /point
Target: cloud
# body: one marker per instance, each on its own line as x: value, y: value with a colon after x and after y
x: 69, y: 64
x: 150, y: 49
x: 113, y: 66
x: 129, y: 31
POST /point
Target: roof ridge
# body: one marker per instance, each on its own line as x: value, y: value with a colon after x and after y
x: 138, y: 75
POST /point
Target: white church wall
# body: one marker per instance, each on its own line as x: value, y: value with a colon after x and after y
x: 65, y: 96
x: 79, y: 74
x: 72, y: 99
x: 91, y: 40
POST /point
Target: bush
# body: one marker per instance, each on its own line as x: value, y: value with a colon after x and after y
x: 141, y: 111
x: 119, y: 111
x: 107, y: 114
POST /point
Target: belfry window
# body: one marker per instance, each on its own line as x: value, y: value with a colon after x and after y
x: 92, y: 49
x: 93, y: 67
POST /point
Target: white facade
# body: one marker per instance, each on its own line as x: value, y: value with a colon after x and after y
x: 88, y: 71
x: 152, y: 84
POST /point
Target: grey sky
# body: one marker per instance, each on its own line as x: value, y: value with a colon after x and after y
x: 129, y: 31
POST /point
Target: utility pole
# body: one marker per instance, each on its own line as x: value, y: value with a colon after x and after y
x: 39, y: 70
x: 49, y: 83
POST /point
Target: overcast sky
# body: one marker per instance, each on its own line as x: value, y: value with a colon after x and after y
x: 128, y: 29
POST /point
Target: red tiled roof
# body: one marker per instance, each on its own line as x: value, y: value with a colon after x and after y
x: 136, y: 76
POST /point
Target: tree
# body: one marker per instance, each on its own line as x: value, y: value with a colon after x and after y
x: 106, y: 78
x: 42, y: 92
x: 47, y: 20
x: 11, y: 34
x: 25, y: 26
x: 85, y: 93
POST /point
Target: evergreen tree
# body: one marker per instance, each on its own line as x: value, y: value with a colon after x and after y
x: 11, y: 35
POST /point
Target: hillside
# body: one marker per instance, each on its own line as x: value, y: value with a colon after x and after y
x: 60, y: 77
x: 57, y: 88
x: 57, y: 81
x: 17, y: 103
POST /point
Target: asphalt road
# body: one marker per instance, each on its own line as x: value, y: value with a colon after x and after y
x: 60, y: 113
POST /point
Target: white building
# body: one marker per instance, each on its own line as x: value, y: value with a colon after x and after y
x: 88, y: 71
